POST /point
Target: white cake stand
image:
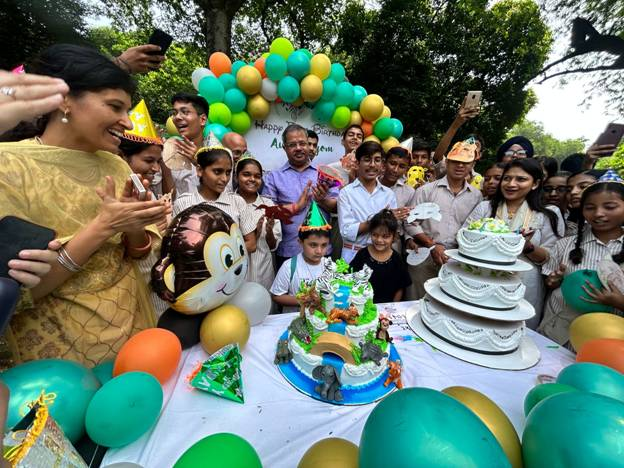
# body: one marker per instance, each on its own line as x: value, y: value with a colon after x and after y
x: 517, y: 266
x: 527, y: 354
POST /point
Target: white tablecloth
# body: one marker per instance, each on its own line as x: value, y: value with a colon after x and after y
x: 282, y: 423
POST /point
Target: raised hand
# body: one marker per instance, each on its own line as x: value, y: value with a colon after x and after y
x: 554, y: 280
x: 139, y: 59
x: 187, y: 149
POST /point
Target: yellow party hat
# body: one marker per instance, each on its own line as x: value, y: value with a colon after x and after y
x: 143, y: 130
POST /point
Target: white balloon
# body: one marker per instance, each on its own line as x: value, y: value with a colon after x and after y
x: 269, y: 90
x: 253, y: 299
x: 198, y: 74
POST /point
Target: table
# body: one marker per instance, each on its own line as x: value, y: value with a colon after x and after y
x: 282, y: 423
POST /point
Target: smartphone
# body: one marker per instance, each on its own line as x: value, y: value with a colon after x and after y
x: 612, y: 135
x: 162, y: 39
x: 472, y: 100
x: 17, y: 234
x: 138, y: 186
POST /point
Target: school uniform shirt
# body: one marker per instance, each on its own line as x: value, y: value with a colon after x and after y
x: 388, y: 277
x: 557, y: 315
x: 287, y: 282
x: 356, y: 205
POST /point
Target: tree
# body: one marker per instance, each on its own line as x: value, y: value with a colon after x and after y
x: 422, y: 56
x: 544, y: 143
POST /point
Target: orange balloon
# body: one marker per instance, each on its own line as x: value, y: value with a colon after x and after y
x: 259, y: 64
x: 367, y: 127
x: 219, y: 63
x: 156, y: 351
x: 606, y: 351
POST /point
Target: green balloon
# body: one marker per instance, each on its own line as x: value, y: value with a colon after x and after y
x: 124, y: 409
x: 228, y: 81
x: 217, y: 129
x: 383, y: 128
x: 594, y: 378
x: 543, y: 391
x: 298, y: 65
x: 306, y: 52
x: 104, y: 371
x: 323, y: 111
x: 211, y: 89
x: 427, y: 428
x: 220, y: 113
x: 288, y: 89
x: 235, y: 99
x: 397, y: 128
x: 572, y: 291
x: 221, y: 450
x: 237, y: 66
x: 337, y: 73
x: 359, y: 93
x: 344, y: 94
x: 329, y: 89
x: 574, y: 430
x: 275, y: 67
x: 282, y: 47
x: 341, y: 117
x: 241, y: 122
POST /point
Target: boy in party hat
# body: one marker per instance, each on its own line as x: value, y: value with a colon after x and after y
x: 306, y: 266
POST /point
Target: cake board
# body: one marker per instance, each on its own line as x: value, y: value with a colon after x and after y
x: 527, y: 355
x: 370, y: 393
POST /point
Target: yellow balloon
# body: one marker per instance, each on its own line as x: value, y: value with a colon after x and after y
x: 494, y: 418
x: 171, y: 128
x: 371, y: 107
x: 311, y: 88
x: 258, y: 108
x: 389, y: 143
x: 356, y: 118
x: 595, y: 325
x: 298, y: 102
x: 386, y: 112
x: 372, y: 138
x: 331, y: 453
x: 249, y: 79
x: 222, y: 326
x: 320, y: 66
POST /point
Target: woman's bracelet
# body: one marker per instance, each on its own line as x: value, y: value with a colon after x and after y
x: 67, y: 262
x: 138, y: 250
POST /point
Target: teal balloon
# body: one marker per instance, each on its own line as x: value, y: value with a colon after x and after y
x: 228, y: 81
x: 337, y: 73
x: 574, y: 430
x: 306, y: 52
x: 104, y: 371
x: 235, y: 99
x: 73, y: 384
x: 329, y: 89
x: 237, y: 66
x: 383, y: 128
x: 211, y: 89
x: 397, y: 128
x: 341, y: 117
x: 288, y: 89
x: 323, y: 111
x: 298, y: 65
x: 218, y: 130
x: 543, y: 391
x: 359, y: 93
x: 344, y: 94
x: 572, y: 291
x: 124, y: 409
x: 223, y: 450
x: 427, y: 428
x: 275, y: 67
x: 594, y: 378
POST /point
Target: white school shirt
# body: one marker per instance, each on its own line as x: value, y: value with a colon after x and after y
x: 284, y: 284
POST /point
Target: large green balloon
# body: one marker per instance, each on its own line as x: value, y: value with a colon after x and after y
x: 323, y: 111
x: 281, y: 46
x: 72, y: 384
x: 211, y: 89
x: 397, y: 128
x: 594, y: 378
x: 275, y: 67
x: 216, y: 128
x: 235, y: 99
x: 337, y: 72
x: 228, y: 81
x: 383, y: 128
x: 572, y: 291
x: 288, y: 89
x: 220, y: 113
x: 237, y: 66
x: 543, y: 391
x: 298, y: 65
x: 104, y: 371
x: 241, y: 122
x: 344, y: 94
x: 124, y: 409
x: 359, y: 93
x: 341, y: 117
x: 574, y: 430
x: 329, y: 89
x: 221, y: 450
x: 427, y: 428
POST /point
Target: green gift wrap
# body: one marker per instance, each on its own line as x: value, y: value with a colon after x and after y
x: 221, y: 374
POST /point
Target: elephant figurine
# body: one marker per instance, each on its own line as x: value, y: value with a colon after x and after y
x: 329, y: 389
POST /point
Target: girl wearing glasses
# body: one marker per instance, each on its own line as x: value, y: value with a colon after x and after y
x: 517, y: 147
x: 556, y: 190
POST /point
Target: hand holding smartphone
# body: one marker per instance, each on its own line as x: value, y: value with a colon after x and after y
x: 472, y: 100
x: 162, y: 40
x: 16, y: 235
x: 607, y: 141
x: 139, y: 189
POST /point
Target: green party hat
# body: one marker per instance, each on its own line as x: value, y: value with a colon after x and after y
x: 314, y: 220
x: 221, y: 374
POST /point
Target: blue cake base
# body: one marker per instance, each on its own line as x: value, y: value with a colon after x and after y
x: 363, y: 395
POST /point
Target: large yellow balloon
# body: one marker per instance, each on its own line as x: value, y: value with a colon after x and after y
x: 371, y: 107
x: 390, y: 143
x: 222, y: 326
x: 386, y: 112
x: 171, y: 128
x: 249, y: 79
x: 372, y: 138
x: 311, y: 88
x: 258, y: 108
x: 494, y: 418
x: 320, y: 66
x: 595, y: 325
x: 330, y: 453
x: 356, y: 118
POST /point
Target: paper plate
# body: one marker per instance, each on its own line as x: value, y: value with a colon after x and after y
x: 519, y: 265
x: 416, y: 257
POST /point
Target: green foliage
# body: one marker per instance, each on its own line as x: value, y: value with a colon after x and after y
x: 368, y: 315
x: 422, y: 56
x: 356, y: 352
x: 544, y: 143
x: 342, y: 266
x: 320, y: 315
x: 370, y: 338
x: 615, y: 161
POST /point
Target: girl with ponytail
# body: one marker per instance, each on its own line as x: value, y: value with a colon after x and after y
x: 599, y: 235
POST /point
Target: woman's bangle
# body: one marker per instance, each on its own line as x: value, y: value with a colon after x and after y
x: 67, y: 262
x: 138, y: 250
